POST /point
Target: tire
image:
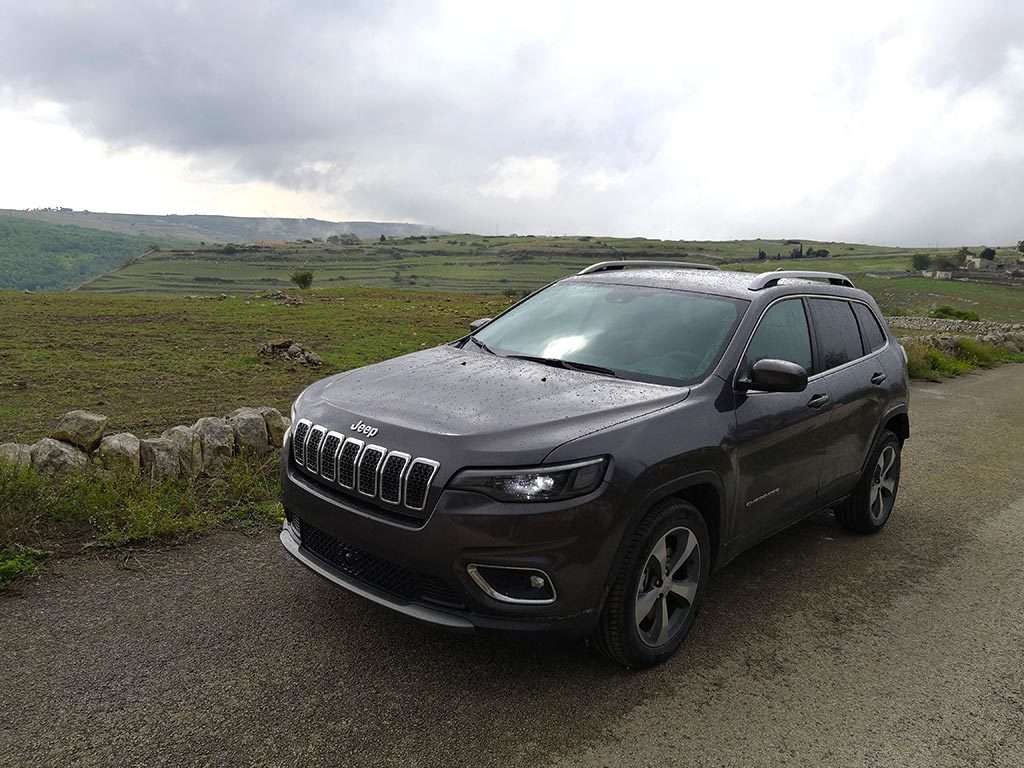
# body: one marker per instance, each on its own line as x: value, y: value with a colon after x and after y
x: 672, y: 531
x: 864, y: 512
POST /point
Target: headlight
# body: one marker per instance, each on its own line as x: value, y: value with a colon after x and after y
x: 561, y: 481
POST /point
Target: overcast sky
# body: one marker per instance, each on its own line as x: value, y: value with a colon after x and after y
x: 885, y: 122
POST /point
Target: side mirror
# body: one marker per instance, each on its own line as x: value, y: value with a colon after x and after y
x: 476, y: 325
x: 776, y: 376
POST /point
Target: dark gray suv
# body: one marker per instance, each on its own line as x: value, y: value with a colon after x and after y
x: 582, y: 462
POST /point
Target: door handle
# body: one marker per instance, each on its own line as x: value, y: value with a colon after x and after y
x: 818, y: 401
x: 878, y: 378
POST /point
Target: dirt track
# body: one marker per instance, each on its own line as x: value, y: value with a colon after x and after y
x: 816, y: 648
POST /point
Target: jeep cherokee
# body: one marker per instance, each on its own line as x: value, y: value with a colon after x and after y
x: 580, y: 463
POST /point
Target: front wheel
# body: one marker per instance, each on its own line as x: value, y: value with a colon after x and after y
x: 871, y: 503
x: 661, y: 582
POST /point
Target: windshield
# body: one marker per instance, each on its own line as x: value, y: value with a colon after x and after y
x: 650, y: 334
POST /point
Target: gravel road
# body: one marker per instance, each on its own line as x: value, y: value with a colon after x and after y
x: 817, y: 648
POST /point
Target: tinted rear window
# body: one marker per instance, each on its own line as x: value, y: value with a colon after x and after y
x: 874, y: 338
x: 836, y: 331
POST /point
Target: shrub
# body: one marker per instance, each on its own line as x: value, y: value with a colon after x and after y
x: 987, y: 253
x: 949, y: 313
x: 926, y: 362
x: 921, y: 261
x: 302, y: 279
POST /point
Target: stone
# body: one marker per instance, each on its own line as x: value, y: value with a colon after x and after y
x: 277, y: 424
x: 294, y: 351
x: 158, y: 458
x: 250, y: 430
x: 120, y: 452
x: 1009, y: 346
x: 218, y: 443
x: 16, y: 454
x: 190, y: 449
x: 82, y: 429
x: 312, y: 359
x: 57, y: 457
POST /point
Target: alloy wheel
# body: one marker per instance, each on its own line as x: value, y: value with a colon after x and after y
x: 668, y: 587
x: 883, y: 484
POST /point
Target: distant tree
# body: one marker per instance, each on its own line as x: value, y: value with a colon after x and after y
x: 797, y: 253
x: 302, y: 279
x: 1020, y: 246
x: 921, y: 261
x: 946, y: 263
x: 964, y: 252
x: 761, y: 255
x: 229, y: 249
x: 988, y: 254
x: 382, y: 238
x: 822, y: 253
x: 346, y: 238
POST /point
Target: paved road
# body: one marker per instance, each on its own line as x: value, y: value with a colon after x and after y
x: 817, y: 648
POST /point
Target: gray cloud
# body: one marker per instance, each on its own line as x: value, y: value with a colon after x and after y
x: 400, y: 111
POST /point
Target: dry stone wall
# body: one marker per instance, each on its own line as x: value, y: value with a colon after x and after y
x: 205, y: 448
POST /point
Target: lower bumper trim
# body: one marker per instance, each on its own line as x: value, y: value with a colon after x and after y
x: 419, y: 612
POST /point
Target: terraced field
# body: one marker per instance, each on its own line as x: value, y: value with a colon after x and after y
x: 465, y: 263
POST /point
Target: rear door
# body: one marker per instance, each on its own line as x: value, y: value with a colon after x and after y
x: 847, y: 359
x: 782, y: 435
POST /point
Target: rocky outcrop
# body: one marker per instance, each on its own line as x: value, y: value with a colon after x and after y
x: 286, y: 349
x: 119, y: 453
x: 16, y: 454
x: 250, y: 430
x: 218, y: 443
x: 83, y: 429
x: 58, y: 458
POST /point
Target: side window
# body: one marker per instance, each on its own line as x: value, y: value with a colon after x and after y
x: 782, y: 335
x: 874, y: 337
x: 836, y: 331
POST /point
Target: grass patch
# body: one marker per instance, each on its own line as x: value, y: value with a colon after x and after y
x: 18, y: 561
x: 949, y: 313
x: 96, y: 509
x: 929, y: 363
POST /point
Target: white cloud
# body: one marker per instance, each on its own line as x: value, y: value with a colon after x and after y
x: 867, y: 121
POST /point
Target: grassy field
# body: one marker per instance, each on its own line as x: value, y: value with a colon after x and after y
x: 468, y: 263
x: 151, y: 362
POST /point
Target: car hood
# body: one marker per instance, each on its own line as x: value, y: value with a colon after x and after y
x: 470, y: 408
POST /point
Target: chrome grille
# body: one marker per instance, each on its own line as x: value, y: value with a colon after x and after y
x: 347, y: 462
x: 368, y: 466
x: 391, y: 476
x: 299, y: 441
x: 316, y: 437
x: 341, y: 462
x: 417, y: 482
x: 329, y: 455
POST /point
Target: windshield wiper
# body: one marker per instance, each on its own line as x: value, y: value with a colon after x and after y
x: 482, y: 346
x: 567, y: 364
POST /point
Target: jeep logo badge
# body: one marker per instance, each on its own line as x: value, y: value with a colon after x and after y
x: 366, y: 429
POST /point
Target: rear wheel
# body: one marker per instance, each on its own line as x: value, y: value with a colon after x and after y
x: 654, y: 599
x: 871, y: 504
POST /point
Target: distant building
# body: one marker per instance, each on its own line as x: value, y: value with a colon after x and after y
x: 976, y: 262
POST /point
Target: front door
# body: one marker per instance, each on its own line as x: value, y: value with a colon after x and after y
x: 782, y: 436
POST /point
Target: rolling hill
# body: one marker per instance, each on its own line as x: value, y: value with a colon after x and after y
x: 222, y: 229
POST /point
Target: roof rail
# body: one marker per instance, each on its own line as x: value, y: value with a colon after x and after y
x: 611, y: 266
x: 771, y: 279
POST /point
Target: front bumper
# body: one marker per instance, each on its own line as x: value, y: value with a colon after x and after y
x: 573, y: 542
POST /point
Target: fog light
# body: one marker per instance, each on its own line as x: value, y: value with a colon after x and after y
x: 509, y: 584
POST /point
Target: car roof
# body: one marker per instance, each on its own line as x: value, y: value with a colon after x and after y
x: 732, y: 283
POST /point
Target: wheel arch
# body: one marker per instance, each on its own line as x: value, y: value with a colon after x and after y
x: 704, y: 490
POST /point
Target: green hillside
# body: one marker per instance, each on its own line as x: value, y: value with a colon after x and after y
x: 473, y: 263
x: 39, y: 255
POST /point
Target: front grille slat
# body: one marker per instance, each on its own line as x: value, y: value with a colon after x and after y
x: 329, y: 456
x: 391, y: 474
x: 345, y: 463
x: 368, y: 466
x: 417, y: 482
x: 375, y: 571
x: 347, y: 459
x: 316, y: 437
x: 299, y: 441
